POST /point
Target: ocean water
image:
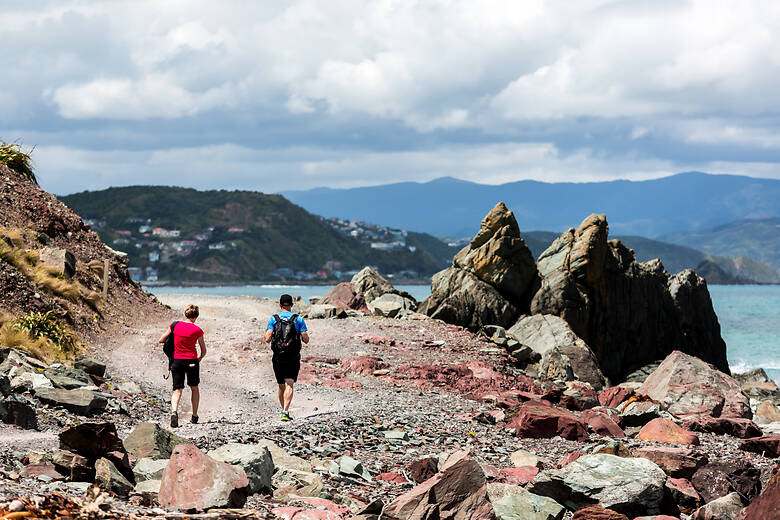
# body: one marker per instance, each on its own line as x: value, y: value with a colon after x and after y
x: 749, y: 316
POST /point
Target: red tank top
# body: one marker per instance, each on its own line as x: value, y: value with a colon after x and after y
x: 185, y: 337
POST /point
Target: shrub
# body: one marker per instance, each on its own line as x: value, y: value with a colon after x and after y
x: 46, y: 326
x: 12, y: 155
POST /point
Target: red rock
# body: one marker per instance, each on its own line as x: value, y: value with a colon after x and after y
x: 392, y: 476
x: 365, y: 365
x: 767, y: 505
x: 571, y: 457
x: 675, y: 461
x: 736, y: 427
x: 664, y: 430
x: 657, y: 517
x: 537, y: 421
x: 683, y: 493
x: 322, y: 503
x: 41, y: 470
x: 598, y: 513
x: 373, y: 339
x: 691, y: 388
x: 459, y: 490
x: 718, y: 479
x: 300, y: 513
x: 345, y: 297
x: 194, y: 481
x: 518, y: 476
x: 578, y: 396
x: 768, y: 445
x: 421, y: 470
x: 601, y: 423
x: 615, y: 395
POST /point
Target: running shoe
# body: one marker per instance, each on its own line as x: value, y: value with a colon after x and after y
x: 194, y: 419
x: 286, y: 417
x: 174, y: 420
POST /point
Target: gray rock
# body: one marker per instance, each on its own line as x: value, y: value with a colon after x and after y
x: 29, y: 381
x: 632, y: 486
x: 371, y: 284
x: 639, y: 413
x: 72, y: 465
x: 61, y: 259
x: 254, y: 458
x: 352, y: 468
x: 390, y: 305
x: 564, y: 356
x: 628, y: 313
x: 14, y: 359
x: 283, y: 460
x: 148, y: 489
x: 5, y: 386
x: 151, y: 441
x: 109, y: 478
x: 79, y: 401
x: 324, y: 311
x: 459, y: 297
x: 16, y: 410
x: 68, y: 378
x: 90, y: 366
x: 723, y: 508
x: 149, y: 469
x: 129, y: 387
x: 520, y: 458
x: 515, y: 503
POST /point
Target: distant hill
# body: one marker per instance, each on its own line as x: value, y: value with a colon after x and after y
x: 454, y: 208
x: 758, y: 239
x: 183, y: 234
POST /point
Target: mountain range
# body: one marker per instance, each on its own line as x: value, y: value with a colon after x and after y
x: 449, y: 207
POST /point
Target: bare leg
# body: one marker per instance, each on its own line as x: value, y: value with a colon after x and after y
x: 281, y: 396
x: 195, y: 399
x: 175, y: 396
x: 288, y: 394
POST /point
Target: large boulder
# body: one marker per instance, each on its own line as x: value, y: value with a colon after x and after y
x: 459, y: 297
x: 628, y: 313
x: 766, y: 445
x: 16, y: 410
x: 111, y: 479
x: 254, y: 458
x: 345, y: 297
x: 371, y: 284
x: 194, y: 481
x: 678, y: 462
x: 512, y: 502
x: 390, y: 305
x: 458, y: 490
x: 718, y: 479
x: 632, y: 486
x: 723, y: 508
x: 95, y: 441
x: 663, y: 430
x: 563, y: 355
x: 149, y: 469
x: 149, y: 440
x: 537, y: 420
x: 491, y: 279
x: 767, y: 505
x: 689, y: 388
x: 79, y: 401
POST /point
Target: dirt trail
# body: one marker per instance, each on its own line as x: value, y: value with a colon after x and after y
x: 237, y: 382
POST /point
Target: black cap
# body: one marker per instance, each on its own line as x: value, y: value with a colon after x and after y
x: 285, y: 299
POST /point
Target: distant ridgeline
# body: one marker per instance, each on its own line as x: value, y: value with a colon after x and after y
x: 179, y: 234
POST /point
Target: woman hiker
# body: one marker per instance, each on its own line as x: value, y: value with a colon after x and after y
x: 186, y: 362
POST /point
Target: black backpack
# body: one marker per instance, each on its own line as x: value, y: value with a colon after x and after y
x: 169, y: 347
x: 285, y: 340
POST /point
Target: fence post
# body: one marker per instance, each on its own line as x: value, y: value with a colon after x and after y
x: 105, y: 278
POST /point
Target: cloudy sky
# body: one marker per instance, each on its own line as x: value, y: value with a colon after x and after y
x: 292, y: 94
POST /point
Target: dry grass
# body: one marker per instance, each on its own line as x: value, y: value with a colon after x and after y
x: 39, y: 348
x: 12, y: 155
x: 51, y: 280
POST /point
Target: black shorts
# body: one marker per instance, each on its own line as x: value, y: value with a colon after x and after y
x: 182, y: 367
x: 286, y: 368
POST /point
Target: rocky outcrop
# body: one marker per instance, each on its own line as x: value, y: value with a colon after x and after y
x: 688, y: 388
x: 628, y: 313
x: 561, y: 354
x: 490, y: 279
x: 344, y: 296
x: 372, y: 285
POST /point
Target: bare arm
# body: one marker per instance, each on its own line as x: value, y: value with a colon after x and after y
x: 305, y: 337
x: 162, y: 338
x: 202, y: 348
x: 268, y: 334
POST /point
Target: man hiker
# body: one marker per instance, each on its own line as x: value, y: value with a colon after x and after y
x: 284, y: 332
x: 186, y: 361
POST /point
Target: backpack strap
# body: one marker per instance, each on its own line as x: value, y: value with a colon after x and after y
x: 277, y: 319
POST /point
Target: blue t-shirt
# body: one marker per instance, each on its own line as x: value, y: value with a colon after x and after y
x: 300, y: 325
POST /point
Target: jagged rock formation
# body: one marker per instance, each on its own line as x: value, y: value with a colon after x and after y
x: 490, y: 279
x: 628, y: 313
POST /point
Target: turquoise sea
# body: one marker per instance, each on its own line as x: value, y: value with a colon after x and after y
x: 749, y: 316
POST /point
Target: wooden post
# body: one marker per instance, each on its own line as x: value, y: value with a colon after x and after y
x: 105, y: 278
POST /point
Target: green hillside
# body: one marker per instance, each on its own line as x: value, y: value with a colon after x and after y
x: 232, y: 236
x: 758, y: 239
